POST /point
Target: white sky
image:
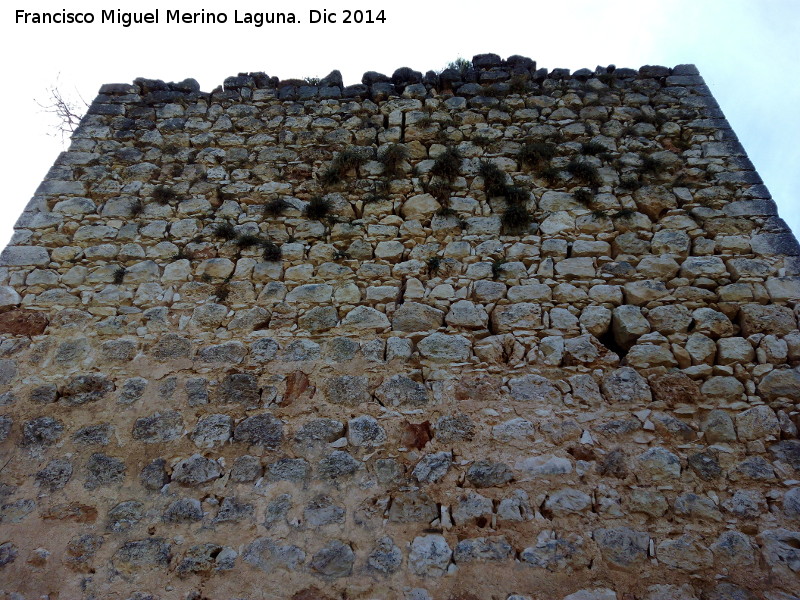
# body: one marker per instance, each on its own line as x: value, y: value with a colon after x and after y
x: 747, y: 51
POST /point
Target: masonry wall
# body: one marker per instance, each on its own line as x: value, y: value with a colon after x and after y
x: 494, y: 333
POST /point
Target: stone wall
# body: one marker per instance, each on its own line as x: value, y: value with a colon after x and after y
x: 500, y: 333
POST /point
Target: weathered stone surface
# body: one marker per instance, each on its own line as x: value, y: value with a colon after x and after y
x: 769, y: 318
x: 534, y: 388
x: 429, y: 556
x: 196, y: 470
x: 260, y: 430
x: 520, y: 316
x: 621, y: 546
x: 400, y: 390
x: 402, y: 379
x: 413, y: 316
x: 347, y: 389
x: 684, y: 553
x: 625, y: 385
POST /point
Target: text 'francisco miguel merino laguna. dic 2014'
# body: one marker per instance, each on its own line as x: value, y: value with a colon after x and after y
x: 203, y: 17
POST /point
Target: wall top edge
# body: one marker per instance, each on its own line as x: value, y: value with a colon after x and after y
x: 485, y: 69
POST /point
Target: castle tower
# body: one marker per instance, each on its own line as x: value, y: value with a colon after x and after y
x: 498, y: 332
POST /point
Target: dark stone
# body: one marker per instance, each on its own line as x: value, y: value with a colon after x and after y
x: 705, y: 464
x: 8, y: 554
x: 158, y: 428
x: 405, y: 76
x: 132, y: 390
x: 185, y: 510
x: 86, y: 388
x: 486, y: 61
x: 82, y: 548
x: 334, y: 78
x: 337, y: 464
x: 787, y: 451
x: 246, y: 469
x: 42, y: 431
x: 371, y: 77
x: 457, y: 428
x: 196, y: 391
x: 103, y: 470
x: 241, y: 388
x: 484, y: 473
x: 613, y: 464
x: 234, y: 510
x: 44, y: 394
x: 260, y: 430
x: 196, y: 470
x: 55, y: 475
x: 125, y: 515
x: 5, y: 427
x: 154, y: 475
x: 288, y: 469
x: 334, y: 560
x: 171, y: 346
x: 149, y: 552
x: 323, y: 511
x: 94, y: 435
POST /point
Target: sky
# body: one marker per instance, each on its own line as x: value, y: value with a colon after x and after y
x: 747, y: 52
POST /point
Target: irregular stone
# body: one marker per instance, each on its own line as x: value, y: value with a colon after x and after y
x: 154, y: 475
x: 212, y: 430
x: 429, y: 556
x: 141, y: 554
x: 413, y: 316
x: 482, y: 549
x: 659, y: 464
x: 734, y: 548
x: 484, y: 473
x: 196, y: 470
x: 348, y: 390
x: 268, y: 555
x: 158, y: 428
x: 567, y: 501
x: 508, y: 318
x: 432, y: 467
x: 534, y: 388
x: 557, y: 554
x: 684, y: 553
x: 260, y: 430
x: 443, y: 348
x: 400, y: 390
x: 621, y: 546
x: 184, y: 510
x: 780, y: 383
x: 718, y: 427
x: 768, y: 318
x: 364, y: 431
x: 456, y: 428
x: 337, y: 464
x: 412, y: 507
x: 757, y: 423
x: 366, y: 317
x: 55, y: 475
x: 42, y: 431
x: 385, y: 557
x: 626, y: 385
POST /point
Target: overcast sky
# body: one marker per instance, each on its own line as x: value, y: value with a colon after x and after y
x: 747, y: 51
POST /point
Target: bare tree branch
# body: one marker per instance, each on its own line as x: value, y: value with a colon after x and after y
x: 68, y: 110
